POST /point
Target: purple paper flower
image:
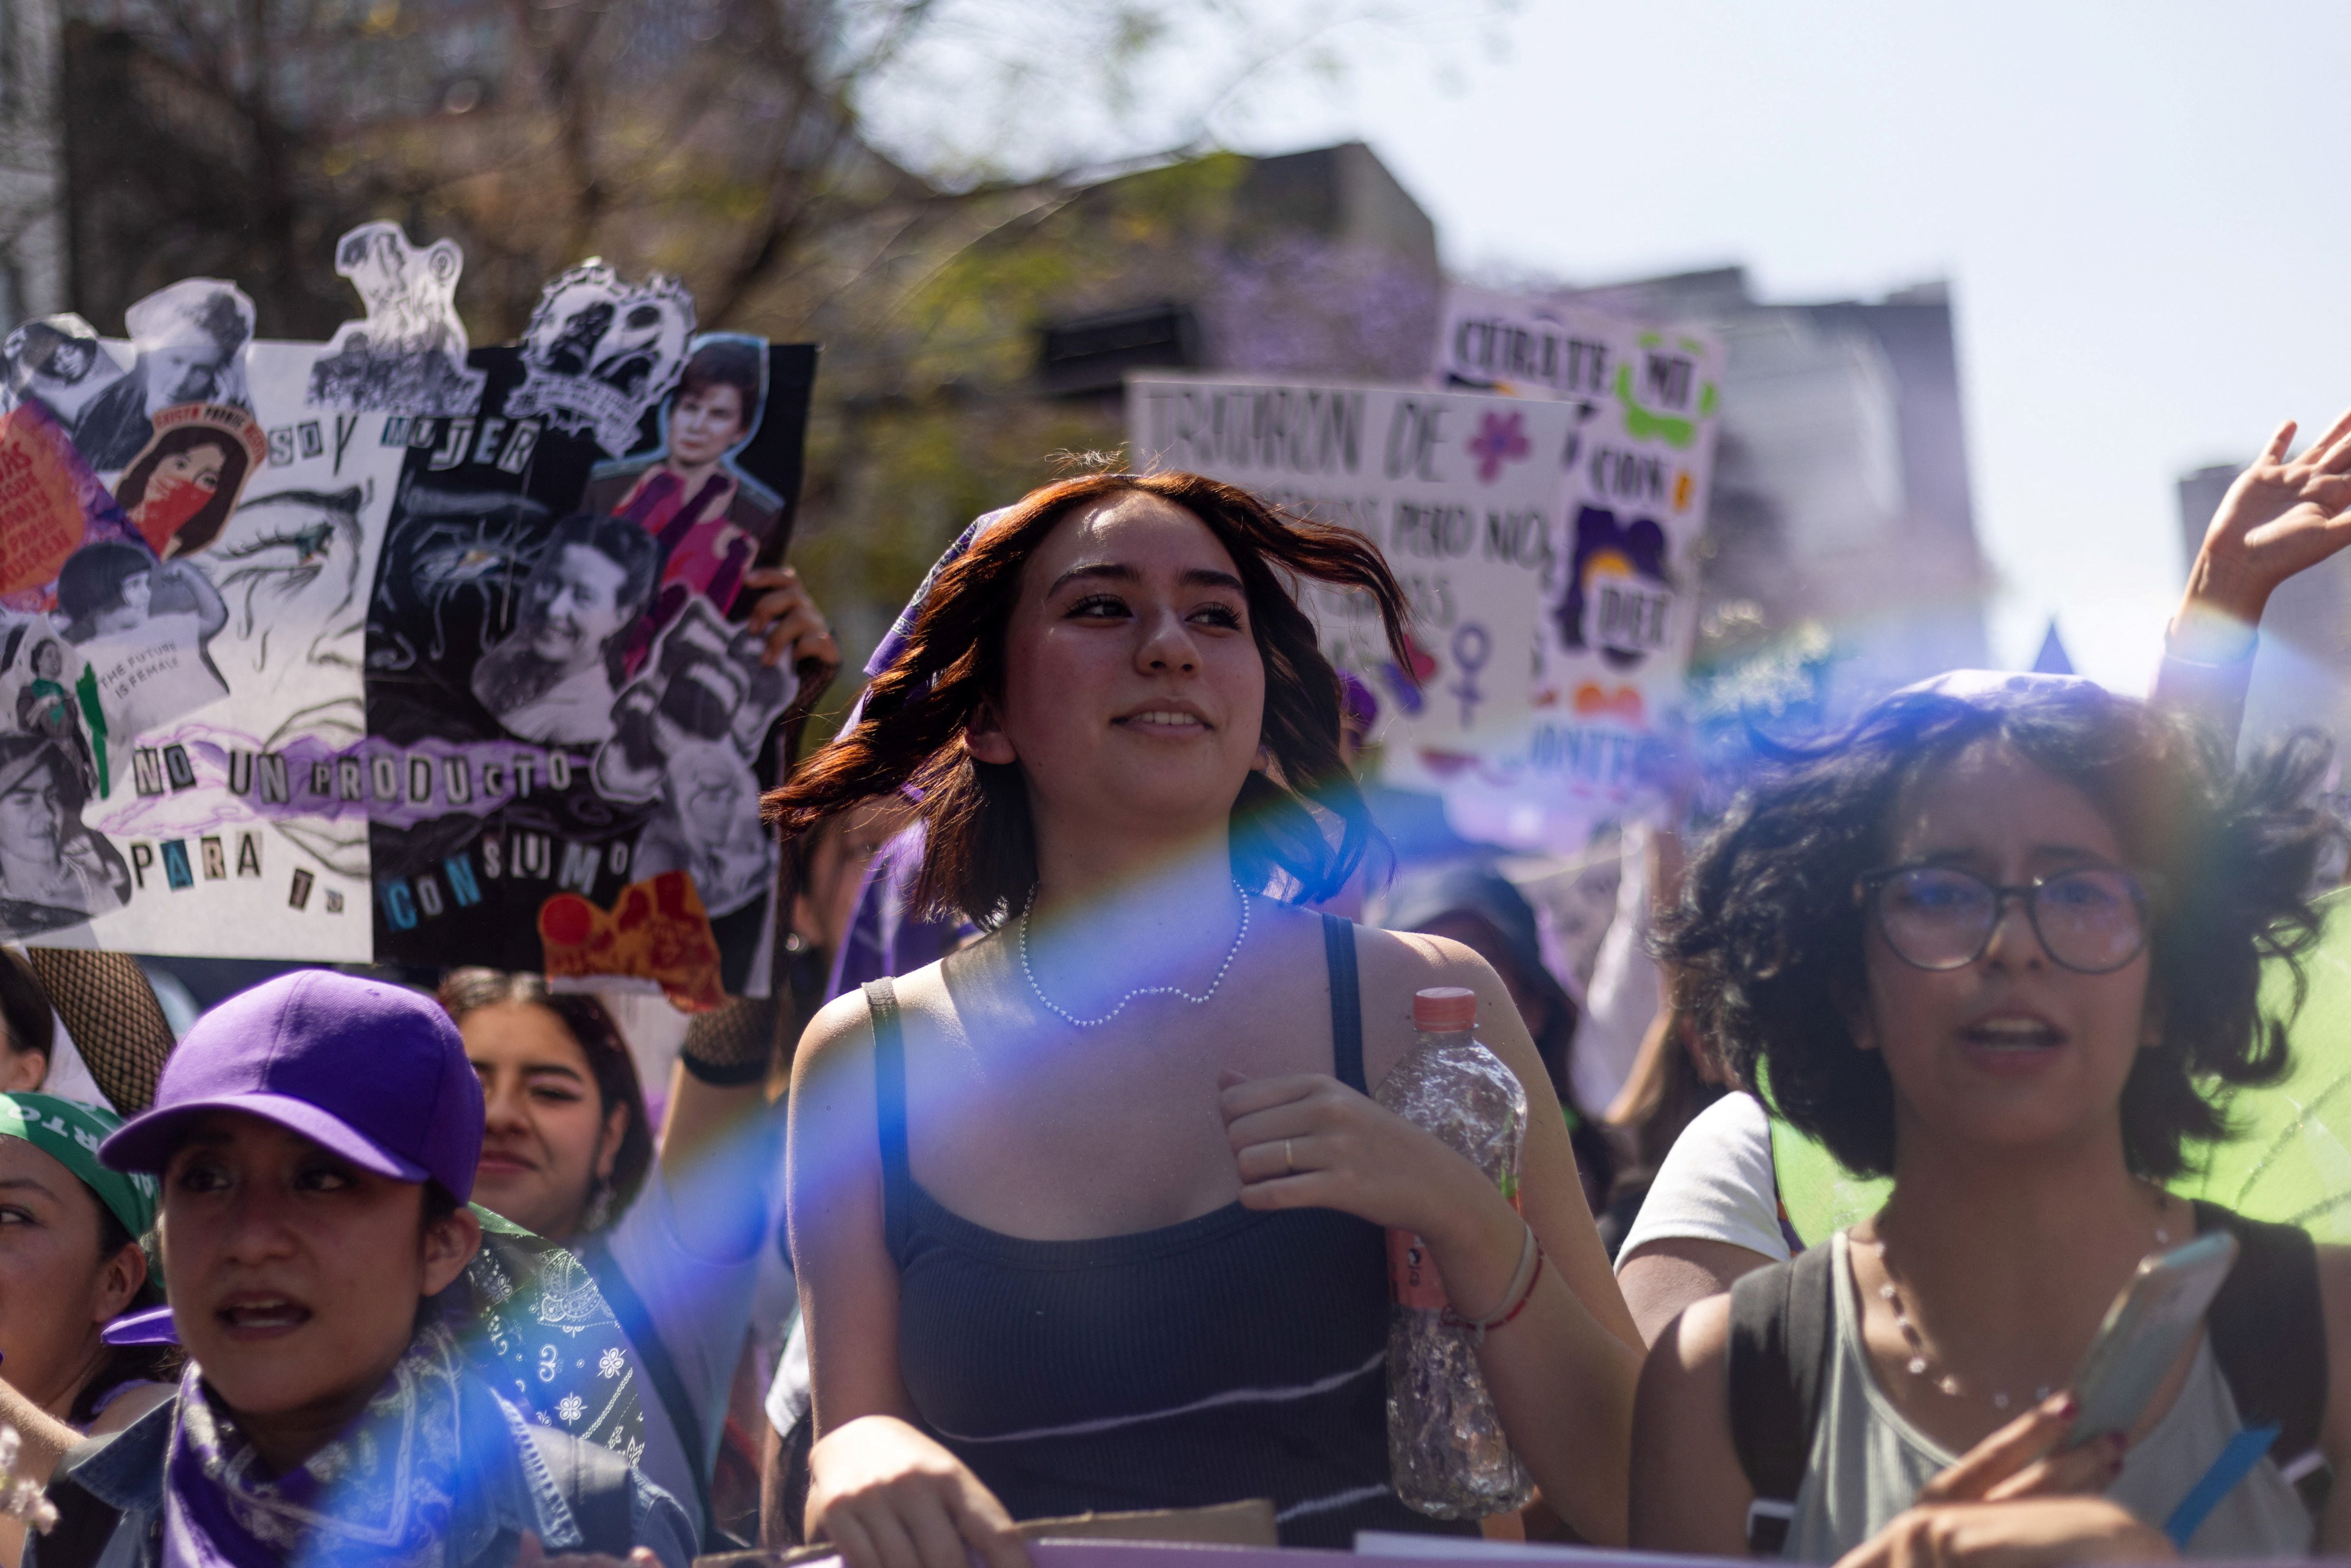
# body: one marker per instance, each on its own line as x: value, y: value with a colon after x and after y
x: 1501, y: 438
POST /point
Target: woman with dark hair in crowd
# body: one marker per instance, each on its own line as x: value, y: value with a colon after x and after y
x: 1715, y: 1211
x: 26, y: 1029
x: 70, y: 1262
x: 567, y: 1151
x: 316, y: 1138
x: 72, y: 1232
x: 1088, y: 1215
x: 2001, y: 941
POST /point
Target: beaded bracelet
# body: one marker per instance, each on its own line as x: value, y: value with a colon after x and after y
x: 1514, y: 1300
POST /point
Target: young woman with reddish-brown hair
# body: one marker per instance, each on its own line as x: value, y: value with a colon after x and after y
x: 1088, y: 1215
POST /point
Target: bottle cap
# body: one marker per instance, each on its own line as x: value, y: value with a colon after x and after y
x: 1443, y: 1008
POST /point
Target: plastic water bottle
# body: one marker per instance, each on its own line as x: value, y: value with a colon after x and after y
x: 1446, y: 1452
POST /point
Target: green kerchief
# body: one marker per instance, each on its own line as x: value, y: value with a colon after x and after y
x: 70, y: 1133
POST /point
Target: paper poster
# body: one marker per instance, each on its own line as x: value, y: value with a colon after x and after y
x: 204, y: 627
x: 1461, y: 491
x: 568, y: 725
x: 1618, y: 618
x: 289, y: 670
x: 409, y: 355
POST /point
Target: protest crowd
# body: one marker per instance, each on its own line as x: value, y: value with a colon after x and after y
x: 1069, y: 1090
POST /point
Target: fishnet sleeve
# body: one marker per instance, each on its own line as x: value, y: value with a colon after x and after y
x: 112, y: 1014
x: 732, y: 1045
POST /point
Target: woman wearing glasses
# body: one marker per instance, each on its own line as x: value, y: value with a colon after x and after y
x: 2001, y: 943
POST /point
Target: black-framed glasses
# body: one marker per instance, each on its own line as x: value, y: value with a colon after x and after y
x: 2092, y: 921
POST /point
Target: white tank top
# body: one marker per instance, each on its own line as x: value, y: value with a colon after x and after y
x: 1868, y: 1462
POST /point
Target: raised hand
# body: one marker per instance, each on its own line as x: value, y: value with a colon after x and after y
x: 2283, y: 516
x: 790, y: 621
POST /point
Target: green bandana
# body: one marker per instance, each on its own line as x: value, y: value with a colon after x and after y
x: 69, y: 1132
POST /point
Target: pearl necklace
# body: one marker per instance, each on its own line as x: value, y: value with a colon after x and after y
x: 1919, y: 1364
x: 1201, y: 1000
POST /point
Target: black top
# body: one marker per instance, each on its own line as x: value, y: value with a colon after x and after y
x: 1236, y: 1355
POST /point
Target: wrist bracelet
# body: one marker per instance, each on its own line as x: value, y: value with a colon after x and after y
x: 1514, y: 1300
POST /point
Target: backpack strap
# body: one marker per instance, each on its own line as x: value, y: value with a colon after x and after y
x: 2268, y: 1332
x: 637, y: 1322
x: 1782, y: 1330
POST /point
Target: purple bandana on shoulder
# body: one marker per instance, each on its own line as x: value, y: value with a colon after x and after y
x: 383, y: 1492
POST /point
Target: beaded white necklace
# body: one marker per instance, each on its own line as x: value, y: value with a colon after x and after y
x: 1201, y: 1000
x: 1919, y: 1364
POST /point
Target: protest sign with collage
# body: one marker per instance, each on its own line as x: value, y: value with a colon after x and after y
x: 385, y: 649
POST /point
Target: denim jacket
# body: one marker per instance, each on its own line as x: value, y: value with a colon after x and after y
x: 512, y: 1491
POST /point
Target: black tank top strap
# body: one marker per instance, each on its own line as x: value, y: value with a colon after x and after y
x: 889, y: 1108
x: 1346, y: 1003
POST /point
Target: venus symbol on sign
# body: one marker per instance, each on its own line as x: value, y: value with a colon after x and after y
x: 1472, y: 647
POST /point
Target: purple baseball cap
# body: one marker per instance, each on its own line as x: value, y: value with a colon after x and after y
x: 373, y: 1071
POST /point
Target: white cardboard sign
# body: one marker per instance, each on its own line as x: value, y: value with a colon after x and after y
x: 1615, y: 630
x: 1462, y: 492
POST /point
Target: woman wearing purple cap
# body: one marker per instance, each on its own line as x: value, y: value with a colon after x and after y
x: 311, y: 1213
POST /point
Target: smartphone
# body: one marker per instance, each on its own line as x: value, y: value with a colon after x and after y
x: 2146, y: 1329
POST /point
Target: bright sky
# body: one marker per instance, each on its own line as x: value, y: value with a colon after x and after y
x: 2147, y: 241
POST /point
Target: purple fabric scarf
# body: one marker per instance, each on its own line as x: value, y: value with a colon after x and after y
x: 383, y: 1492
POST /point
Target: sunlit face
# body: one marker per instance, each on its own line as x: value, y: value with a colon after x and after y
x: 547, y: 1137
x: 571, y: 611
x: 1133, y: 689
x: 295, y: 1276
x: 2012, y: 1050
x: 33, y: 814
x: 199, y: 466
x: 704, y: 423
x: 56, y: 1288
x: 192, y: 369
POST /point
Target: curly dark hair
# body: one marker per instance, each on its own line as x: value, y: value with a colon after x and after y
x: 608, y: 1061
x: 980, y: 858
x: 1769, y: 932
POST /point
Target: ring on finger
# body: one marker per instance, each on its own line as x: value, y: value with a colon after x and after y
x: 1289, y: 1159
